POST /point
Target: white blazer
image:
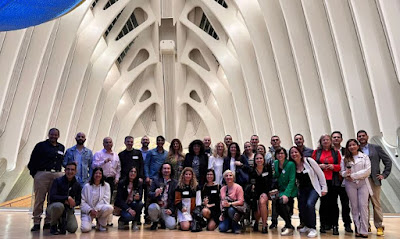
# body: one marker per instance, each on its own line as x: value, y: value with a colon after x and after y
x: 316, y: 175
x: 360, y: 169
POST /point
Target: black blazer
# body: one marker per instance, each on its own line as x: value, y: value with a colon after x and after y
x: 245, y: 168
x: 203, y: 158
x: 171, y: 193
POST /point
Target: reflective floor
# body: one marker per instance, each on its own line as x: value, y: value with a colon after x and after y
x: 17, y: 225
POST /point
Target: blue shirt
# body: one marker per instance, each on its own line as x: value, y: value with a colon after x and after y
x: 84, y: 163
x: 365, y: 149
x: 153, y: 162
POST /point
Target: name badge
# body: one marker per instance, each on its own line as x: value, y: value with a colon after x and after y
x: 213, y: 191
x: 264, y: 174
x: 135, y: 157
x: 283, y: 171
x: 185, y: 193
x: 305, y: 171
x: 60, y: 152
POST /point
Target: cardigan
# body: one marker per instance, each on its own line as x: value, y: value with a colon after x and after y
x: 86, y: 201
x: 316, y: 175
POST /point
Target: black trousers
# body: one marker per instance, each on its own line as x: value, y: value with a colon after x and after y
x: 329, y: 209
x: 285, y: 210
x: 110, y: 180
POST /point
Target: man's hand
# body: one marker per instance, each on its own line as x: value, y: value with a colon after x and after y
x: 380, y: 177
x: 285, y: 199
x: 132, y: 212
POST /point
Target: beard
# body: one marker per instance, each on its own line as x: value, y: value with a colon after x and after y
x: 80, y: 142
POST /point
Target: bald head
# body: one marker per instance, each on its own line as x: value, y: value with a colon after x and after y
x: 80, y: 138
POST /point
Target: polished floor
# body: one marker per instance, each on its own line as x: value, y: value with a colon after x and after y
x: 16, y: 225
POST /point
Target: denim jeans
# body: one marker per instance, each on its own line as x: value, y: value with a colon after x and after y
x: 137, y: 207
x: 228, y: 223
x: 307, y: 198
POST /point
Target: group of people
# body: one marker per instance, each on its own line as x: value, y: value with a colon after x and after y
x: 209, y: 187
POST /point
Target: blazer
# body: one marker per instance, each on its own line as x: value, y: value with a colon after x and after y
x: 316, y: 175
x: 376, y: 154
x: 203, y: 158
x: 171, y: 193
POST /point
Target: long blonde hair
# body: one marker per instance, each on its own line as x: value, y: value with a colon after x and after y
x: 215, y: 151
x: 193, y: 183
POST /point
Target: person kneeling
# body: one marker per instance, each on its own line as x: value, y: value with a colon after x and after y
x: 162, y: 196
x: 129, y: 199
x: 65, y: 194
x: 95, y: 202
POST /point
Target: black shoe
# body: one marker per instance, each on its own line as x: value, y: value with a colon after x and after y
x: 272, y: 226
x: 61, y: 230
x: 154, y: 226
x: 335, y: 230
x: 255, y: 227
x: 139, y: 223
x: 35, y: 228
x: 264, y: 230
x: 300, y: 226
x: 328, y: 227
x: 347, y: 228
x: 147, y: 221
x: 162, y: 225
x: 46, y: 226
x: 322, y: 229
x: 110, y: 224
x: 54, y: 230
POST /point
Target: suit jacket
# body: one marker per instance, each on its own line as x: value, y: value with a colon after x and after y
x: 376, y: 154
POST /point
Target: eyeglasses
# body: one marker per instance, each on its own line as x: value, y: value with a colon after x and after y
x: 274, y: 140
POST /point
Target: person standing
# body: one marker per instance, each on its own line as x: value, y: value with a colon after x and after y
x: 337, y: 139
x: 83, y: 158
x: 131, y: 157
x: 329, y: 160
x: 175, y: 157
x: 65, y: 195
x: 45, y: 166
x: 145, y: 141
x: 228, y: 140
x: 197, y: 160
x: 299, y: 142
x: 109, y: 162
x: 207, y: 145
x: 254, y: 140
x: 356, y: 168
x: 216, y: 161
x: 376, y: 155
x: 154, y: 159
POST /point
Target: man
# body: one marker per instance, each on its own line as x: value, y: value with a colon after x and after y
x: 376, y: 155
x: 82, y: 156
x: 162, y: 196
x: 228, y: 140
x: 254, y: 140
x: 299, y: 142
x: 270, y: 158
x: 45, y: 166
x: 109, y: 162
x: 337, y: 139
x: 207, y: 145
x: 154, y: 159
x: 131, y: 157
x: 65, y: 194
x: 145, y: 141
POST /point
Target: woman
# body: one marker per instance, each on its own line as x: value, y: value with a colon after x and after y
x: 211, y: 201
x: 95, y: 202
x: 129, y: 199
x: 237, y: 164
x: 216, y: 161
x: 187, y: 197
x: 231, y: 197
x: 197, y: 160
x: 248, y: 154
x: 285, y: 173
x: 356, y: 168
x: 175, y: 157
x: 328, y: 160
x: 311, y: 185
x: 261, y: 176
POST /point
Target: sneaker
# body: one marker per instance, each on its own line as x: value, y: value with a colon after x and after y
x: 283, y: 228
x: 46, y: 225
x: 54, y: 230
x: 110, y: 224
x: 134, y: 226
x: 287, y: 232
x: 304, y: 229
x: 35, y: 228
x: 300, y: 226
x: 312, y: 233
x: 121, y: 225
x: 103, y: 229
x: 272, y: 226
x: 154, y: 226
x: 379, y: 231
x: 322, y: 230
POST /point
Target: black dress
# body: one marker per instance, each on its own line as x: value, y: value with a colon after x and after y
x: 213, y: 192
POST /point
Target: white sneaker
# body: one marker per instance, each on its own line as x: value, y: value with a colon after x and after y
x: 312, y: 233
x: 102, y: 229
x: 304, y: 229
